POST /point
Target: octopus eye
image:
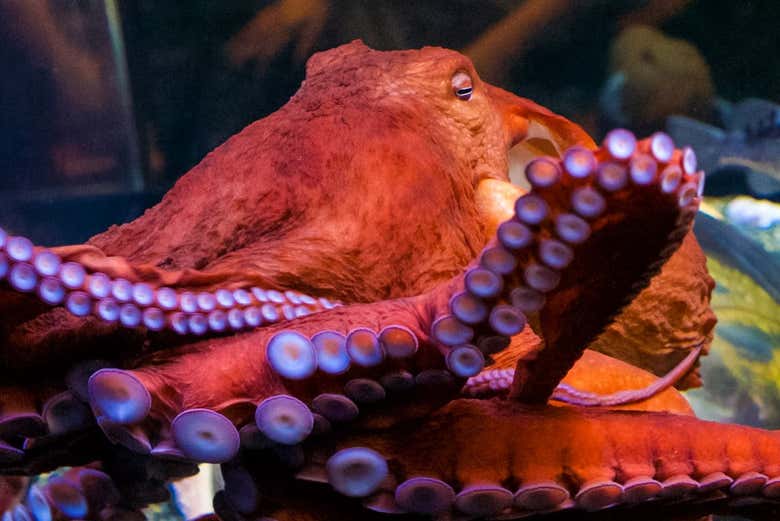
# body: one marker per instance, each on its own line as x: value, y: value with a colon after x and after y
x: 462, y: 86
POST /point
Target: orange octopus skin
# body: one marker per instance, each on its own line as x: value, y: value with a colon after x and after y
x: 391, y: 215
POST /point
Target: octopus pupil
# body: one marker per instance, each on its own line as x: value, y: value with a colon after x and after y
x: 464, y: 93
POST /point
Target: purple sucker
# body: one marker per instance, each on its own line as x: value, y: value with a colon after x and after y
x: 483, y: 500
x: 206, y: 301
x: 555, y: 254
x: 364, y: 391
x: 465, y: 361
x: 483, y: 283
x: 498, y: 260
x: 205, y: 436
x: 620, y: 143
x: 643, y: 169
x: 288, y: 312
x: 47, y: 263
x: 543, y: 495
x: 612, y: 176
x: 424, y: 495
x: 218, y: 320
x: 143, y: 294
x: 541, y: 278
x: 307, y: 300
x: 166, y: 298
x: 235, y: 318
x: 689, y: 162
x: 130, y: 315
x: 188, y: 302
x: 398, y: 381
x: 514, y: 235
x: 19, y: 249
x: 356, y: 471
x: 154, y: 319
x: 179, y: 323
x: 259, y: 294
x: 224, y: 298
x: 331, y: 348
x: 579, y: 162
x: 527, y: 300
x: 662, y: 147
x: 587, y: 202
x: 275, y: 296
x: 242, y: 297
x: 364, y: 347
x: 99, y: 285
x: 572, y: 228
x: 78, y: 303
x: 122, y: 290
x: 531, y: 209
x: 284, y: 419
x: 253, y: 316
x: 51, y: 291
x: 107, y: 309
x: 291, y: 355
x: 398, y: 341
x: 335, y: 407
x: 269, y: 313
x: 450, y: 331
x: 292, y: 297
x: 198, y: 324
x: 22, y: 277
x: 64, y: 413
x: 119, y: 396
x: 543, y: 172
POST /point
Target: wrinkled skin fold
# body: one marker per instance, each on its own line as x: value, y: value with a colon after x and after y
x: 316, y: 298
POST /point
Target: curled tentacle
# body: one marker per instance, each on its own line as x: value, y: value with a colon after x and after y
x: 499, y: 381
x: 574, y: 281
x: 133, y: 301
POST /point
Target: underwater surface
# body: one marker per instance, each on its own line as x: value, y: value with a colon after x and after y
x: 408, y: 293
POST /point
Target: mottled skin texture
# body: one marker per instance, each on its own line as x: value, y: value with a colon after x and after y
x: 376, y: 186
x: 662, y: 312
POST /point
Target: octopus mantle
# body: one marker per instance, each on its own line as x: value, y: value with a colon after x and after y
x: 350, y: 308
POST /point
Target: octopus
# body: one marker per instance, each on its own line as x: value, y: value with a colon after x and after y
x: 350, y: 308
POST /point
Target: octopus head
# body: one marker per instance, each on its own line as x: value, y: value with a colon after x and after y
x: 428, y: 113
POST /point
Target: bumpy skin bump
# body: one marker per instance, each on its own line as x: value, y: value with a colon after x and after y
x: 315, y: 202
